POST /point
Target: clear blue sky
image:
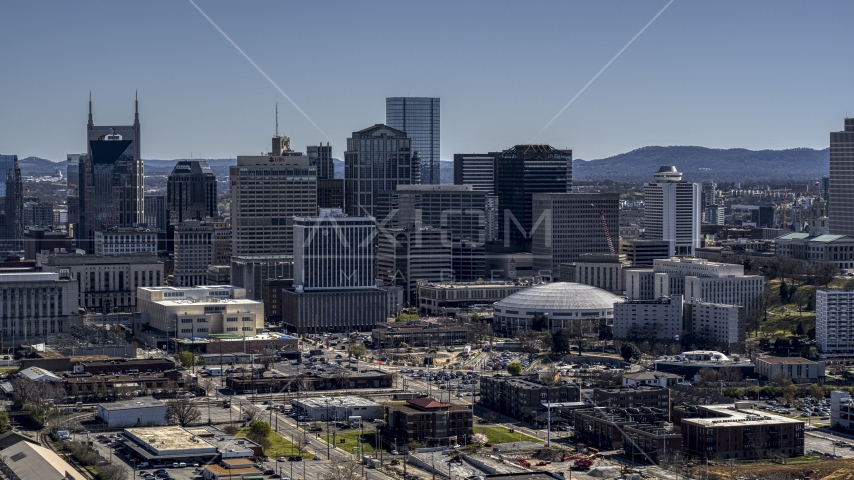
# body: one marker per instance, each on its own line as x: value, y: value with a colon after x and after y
x: 718, y: 74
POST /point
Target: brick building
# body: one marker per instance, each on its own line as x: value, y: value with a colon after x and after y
x: 429, y: 422
x: 520, y: 397
x: 632, y: 397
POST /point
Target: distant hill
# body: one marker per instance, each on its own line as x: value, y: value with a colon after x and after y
x: 700, y: 163
x: 697, y: 163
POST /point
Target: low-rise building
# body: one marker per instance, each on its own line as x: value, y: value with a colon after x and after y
x: 651, y: 443
x: 144, y: 411
x: 600, y: 270
x: 520, y: 397
x: 37, y: 374
x: 27, y: 461
x: 338, y: 408
x: 688, y: 364
x: 426, y: 334
x: 604, y: 428
x: 837, y: 250
x: 738, y: 432
x: 841, y: 410
x: 662, y: 379
x: 123, y: 241
x: 328, y: 379
x: 632, y: 397
x: 186, y: 312
x: 796, y: 369
x: 36, y: 305
x: 429, y: 422
x: 159, y: 444
x: 441, y: 298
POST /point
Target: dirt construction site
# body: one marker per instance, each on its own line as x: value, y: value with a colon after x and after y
x: 826, y: 470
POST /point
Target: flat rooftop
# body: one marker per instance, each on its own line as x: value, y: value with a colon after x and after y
x: 731, y: 416
x: 343, y: 401
x: 142, y: 402
x: 787, y: 360
x: 170, y: 440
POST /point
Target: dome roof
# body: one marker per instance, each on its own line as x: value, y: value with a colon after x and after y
x: 560, y: 296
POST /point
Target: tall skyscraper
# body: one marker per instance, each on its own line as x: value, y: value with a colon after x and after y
x: 841, y: 186
x: 672, y: 211
x: 321, y: 157
x: 419, y: 118
x: 11, y: 204
x: 570, y: 225
x: 194, y: 252
x: 475, y: 169
x: 111, y: 179
x: 267, y: 192
x: 72, y: 183
x: 377, y: 160
x: 191, y: 192
x: 520, y: 172
x: 459, y: 211
x: 334, y: 252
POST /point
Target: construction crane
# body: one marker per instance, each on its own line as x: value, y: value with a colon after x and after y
x: 604, y: 225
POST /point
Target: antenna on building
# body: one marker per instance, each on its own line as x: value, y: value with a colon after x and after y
x: 277, y: 119
x: 90, y: 107
x: 136, y: 107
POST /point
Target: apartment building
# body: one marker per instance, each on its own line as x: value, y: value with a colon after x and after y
x: 521, y: 396
x: 429, y: 422
x: 632, y: 397
x: 659, y: 319
x: 834, y: 327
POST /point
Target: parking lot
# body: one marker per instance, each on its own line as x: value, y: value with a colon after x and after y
x: 827, y: 444
x: 185, y: 473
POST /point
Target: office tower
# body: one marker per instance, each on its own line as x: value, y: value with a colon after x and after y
x: 569, y: 225
x: 825, y: 189
x: 520, y: 172
x: 334, y: 252
x: 194, y: 252
x: 377, y: 160
x: 334, y: 286
x: 12, y: 204
x: 710, y: 193
x: 475, y: 169
x: 330, y: 193
x: 459, y: 211
x: 321, y: 158
x: 266, y: 193
x: 111, y: 184
x: 38, y: 239
x: 407, y: 256
x: 38, y: 214
x: 252, y: 271
x: 28, y: 322
x: 714, y: 215
x: 72, y: 184
x: 720, y: 325
x: 419, y: 118
x: 156, y: 214
x: 644, y: 252
x: 672, y: 211
x: 600, y: 270
x: 222, y: 243
x: 106, y: 283
x: 841, y: 184
x: 191, y: 192
x: 490, y: 218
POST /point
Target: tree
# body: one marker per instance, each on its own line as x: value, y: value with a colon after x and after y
x: 514, y: 368
x: 342, y: 467
x: 267, y: 360
x: 780, y: 380
x: 358, y: 350
x: 801, y: 297
x: 539, y: 322
x: 530, y: 341
x: 799, y: 331
x: 112, y: 472
x: 782, y: 344
x: 629, y: 351
x: 251, y: 413
x: 784, y: 292
x: 182, y: 411
x: 560, y: 342
x: 186, y: 359
x: 260, y: 428
x: 479, y: 438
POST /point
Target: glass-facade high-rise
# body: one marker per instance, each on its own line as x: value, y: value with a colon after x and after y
x: 321, y: 157
x: 377, y: 160
x: 11, y: 204
x: 111, y: 187
x: 191, y: 192
x: 419, y: 118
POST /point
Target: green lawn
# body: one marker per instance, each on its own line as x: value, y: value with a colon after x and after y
x: 497, y: 434
x: 279, y: 446
x: 351, y: 441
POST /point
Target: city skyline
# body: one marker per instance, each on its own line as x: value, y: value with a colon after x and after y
x: 716, y: 75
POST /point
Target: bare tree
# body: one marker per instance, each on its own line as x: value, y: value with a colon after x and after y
x: 182, y: 411
x: 112, y: 472
x: 343, y: 467
x: 251, y: 413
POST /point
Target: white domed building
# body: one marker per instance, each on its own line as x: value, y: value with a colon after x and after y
x: 565, y: 305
